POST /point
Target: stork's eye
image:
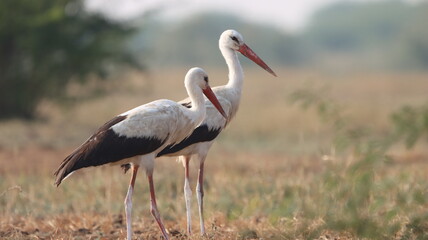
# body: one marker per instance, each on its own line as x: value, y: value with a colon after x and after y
x: 234, y: 39
x: 206, y: 79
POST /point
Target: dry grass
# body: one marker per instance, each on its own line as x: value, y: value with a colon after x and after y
x: 272, y: 175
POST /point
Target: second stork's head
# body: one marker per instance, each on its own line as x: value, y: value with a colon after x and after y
x: 233, y: 40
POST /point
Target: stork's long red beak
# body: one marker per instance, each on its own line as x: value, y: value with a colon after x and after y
x: 246, y: 51
x: 211, y: 96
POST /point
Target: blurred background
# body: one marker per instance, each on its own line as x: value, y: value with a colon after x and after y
x: 346, y: 121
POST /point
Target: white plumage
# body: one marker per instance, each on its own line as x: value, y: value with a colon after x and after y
x: 143, y: 132
x: 198, y: 144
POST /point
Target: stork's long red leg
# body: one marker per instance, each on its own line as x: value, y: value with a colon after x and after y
x: 187, y: 193
x: 153, y: 206
x: 200, y: 195
x: 128, y: 202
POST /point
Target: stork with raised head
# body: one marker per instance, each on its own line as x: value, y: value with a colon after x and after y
x: 200, y: 141
x: 142, y: 133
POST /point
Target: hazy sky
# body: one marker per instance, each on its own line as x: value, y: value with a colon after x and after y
x: 285, y: 14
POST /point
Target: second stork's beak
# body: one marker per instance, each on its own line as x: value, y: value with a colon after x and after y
x: 213, y: 99
x: 246, y: 51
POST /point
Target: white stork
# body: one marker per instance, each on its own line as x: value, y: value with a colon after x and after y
x: 143, y: 132
x: 229, y: 95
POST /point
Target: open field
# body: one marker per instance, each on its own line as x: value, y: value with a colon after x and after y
x: 273, y: 174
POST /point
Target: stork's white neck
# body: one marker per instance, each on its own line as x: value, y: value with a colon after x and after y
x: 198, y: 110
x: 236, y: 74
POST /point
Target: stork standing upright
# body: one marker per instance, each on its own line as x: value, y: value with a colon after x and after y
x: 229, y: 95
x: 143, y: 132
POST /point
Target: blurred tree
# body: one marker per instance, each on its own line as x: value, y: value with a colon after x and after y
x: 375, y: 35
x: 351, y: 26
x: 46, y: 44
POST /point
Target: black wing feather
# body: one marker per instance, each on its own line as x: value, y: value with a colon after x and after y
x: 103, y: 147
x: 200, y: 134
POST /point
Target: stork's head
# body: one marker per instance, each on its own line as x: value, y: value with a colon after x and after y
x: 198, y: 78
x: 233, y: 40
